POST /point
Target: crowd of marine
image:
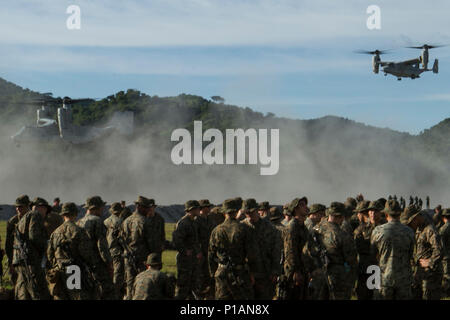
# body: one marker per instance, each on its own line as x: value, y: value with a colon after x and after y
x: 239, y: 250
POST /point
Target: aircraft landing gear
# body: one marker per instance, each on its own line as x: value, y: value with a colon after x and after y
x: 399, y: 79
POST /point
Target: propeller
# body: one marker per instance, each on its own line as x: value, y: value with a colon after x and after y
x: 372, y: 52
x: 427, y: 46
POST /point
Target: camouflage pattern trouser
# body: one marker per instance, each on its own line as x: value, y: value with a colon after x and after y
x: 57, y: 280
x: 225, y: 290
x: 187, y: 279
x: 342, y: 283
x: 103, y: 276
x: 205, y: 284
x: 394, y: 293
x: 428, y: 284
x: 119, y: 276
x: 362, y: 292
x: 31, y: 283
x: 317, y: 287
x: 130, y: 275
x: 446, y: 278
x: 264, y: 289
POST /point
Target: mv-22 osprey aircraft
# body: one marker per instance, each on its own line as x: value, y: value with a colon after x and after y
x: 403, y: 69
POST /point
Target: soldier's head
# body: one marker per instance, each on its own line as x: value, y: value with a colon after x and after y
x: 298, y: 208
x: 41, y: 205
x: 152, y: 208
x: 56, y: 202
x: 154, y: 261
x: 69, y: 211
x: 115, y: 209
x: 276, y: 215
x: 316, y: 212
x: 123, y: 204
x: 205, y: 207
x: 143, y: 205
x: 446, y: 215
x: 192, y: 207
x: 362, y: 210
x: 336, y: 212
x: 412, y: 216
x: 392, y: 210
x: 22, y: 205
x: 230, y: 207
x: 95, y: 205
x: 264, y: 209
x: 251, y: 210
x: 438, y: 209
x: 375, y: 214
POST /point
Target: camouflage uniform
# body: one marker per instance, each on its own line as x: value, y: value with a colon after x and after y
x: 51, y: 222
x: 140, y: 236
x: 444, y: 233
x: 232, y: 256
x: 362, y: 243
x: 295, y: 238
x: 158, y: 224
x: 341, y: 252
x: 68, y: 246
x: 96, y: 231
x: 215, y: 217
x: 113, y: 226
x: 396, y: 272
x: 428, y: 246
x: 186, y: 241
x: 204, y: 232
x: 34, y: 236
x: 153, y: 284
x: 267, y: 236
x: 10, y: 228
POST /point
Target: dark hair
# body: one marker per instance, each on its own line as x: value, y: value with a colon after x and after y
x: 56, y: 199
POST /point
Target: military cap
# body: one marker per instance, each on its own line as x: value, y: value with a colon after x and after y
x: 216, y: 210
x: 56, y: 199
x: 446, y: 212
x: 116, y: 208
x: 294, y: 203
x: 154, y: 259
x: 249, y: 205
x: 94, y: 202
x: 316, y: 207
x: 275, y: 214
x: 363, y: 206
x: 410, y: 213
x: 191, y: 204
x: 41, y: 202
x: 23, y: 200
x: 375, y: 205
x: 382, y: 201
x: 145, y: 202
x: 337, y: 209
x: 69, y: 208
x: 231, y: 205
x: 264, y: 206
x: 392, y: 208
x: 205, y: 203
x: 239, y: 200
x: 351, y: 202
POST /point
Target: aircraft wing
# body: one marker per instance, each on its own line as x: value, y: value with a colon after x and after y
x: 410, y: 62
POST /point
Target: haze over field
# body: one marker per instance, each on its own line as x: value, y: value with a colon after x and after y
x: 325, y: 159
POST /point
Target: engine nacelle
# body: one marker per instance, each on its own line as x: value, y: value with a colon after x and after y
x: 425, y: 58
x: 376, y: 63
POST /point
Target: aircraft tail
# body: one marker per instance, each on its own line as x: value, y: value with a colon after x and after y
x: 436, y: 66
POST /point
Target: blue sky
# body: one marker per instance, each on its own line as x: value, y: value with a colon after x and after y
x: 292, y: 58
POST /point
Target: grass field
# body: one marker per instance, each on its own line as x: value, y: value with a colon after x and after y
x: 169, y: 262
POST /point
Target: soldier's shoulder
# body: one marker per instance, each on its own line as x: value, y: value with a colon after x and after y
x: 14, y: 219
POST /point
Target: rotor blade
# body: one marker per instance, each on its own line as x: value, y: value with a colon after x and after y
x: 372, y: 52
x: 428, y: 46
